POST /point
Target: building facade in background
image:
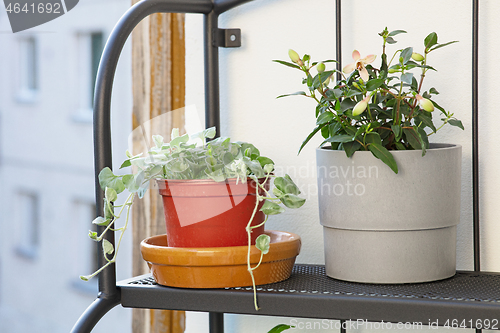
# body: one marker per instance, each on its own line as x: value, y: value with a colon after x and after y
x: 47, y: 204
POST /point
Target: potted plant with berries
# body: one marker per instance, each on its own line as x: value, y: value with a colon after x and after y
x: 216, y: 196
x: 389, y: 200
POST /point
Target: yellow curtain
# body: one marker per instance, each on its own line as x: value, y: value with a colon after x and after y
x: 158, y: 90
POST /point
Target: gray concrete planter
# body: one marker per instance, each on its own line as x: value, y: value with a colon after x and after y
x: 382, y: 227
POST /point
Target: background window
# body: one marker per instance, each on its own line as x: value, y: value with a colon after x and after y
x: 29, y: 223
x: 86, y: 257
x: 28, y: 68
x: 96, y: 47
x: 90, y: 47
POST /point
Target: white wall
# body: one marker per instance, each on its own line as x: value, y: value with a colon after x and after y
x: 250, y: 82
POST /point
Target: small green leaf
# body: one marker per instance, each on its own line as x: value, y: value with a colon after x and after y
x: 373, y: 137
x: 425, y: 120
x: 178, y: 140
x: 433, y: 91
x: 292, y: 201
x: 309, y: 137
x: 108, y: 179
x: 265, y: 161
x: 268, y: 168
x: 85, y: 277
x: 127, y: 180
x: 142, y: 190
x: 92, y: 235
x: 340, y: 138
x: 286, y: 185
x: 324, y: 118
x: 250, y: 150
x: 227, y: 158
x: 424, y: 140
x: 216, y: 176
x: 255, y: 167
x: 439, y: 107
x: 105, y: 176
x: 384, y: 155
x: 325, y: 132
x: 158, y: 140
x: 400, y: 146
x: 134, y: 184
x: 271, y: 208
x: 287, y: 64
x: 429, y: 67
x: 456, y: 122
x: 397, y: 131
x: 325, y: 75
x: 390, y: 40
x: 406, y: 55
x: 334, y: 127
x: 374, y: 84
x: 412, y: 138
x: 346, y: 104
x: 294, y: 94
x: 352, y: 93
x: 107, y: 247
x: 309, y: 82
x: 125, y: 164
x: 101, y: 221
x: 396, y: 32
x: 407, y: 78
x: 108, y: 211
x: 351, y: 147
x: 210, y: 132
x: 110, y: 194
x: 263, y: 243
x: 441, y: 45
x: 174, y: 134
x: 337, y: 93
x: 430, y: 40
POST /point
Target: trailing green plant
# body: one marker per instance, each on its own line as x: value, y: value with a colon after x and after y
x: 193, y: 157
x: 375, y: 109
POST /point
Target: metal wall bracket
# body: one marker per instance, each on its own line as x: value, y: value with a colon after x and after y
x: 228, y: 37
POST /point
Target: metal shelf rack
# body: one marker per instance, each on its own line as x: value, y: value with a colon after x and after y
x: 468, y: 297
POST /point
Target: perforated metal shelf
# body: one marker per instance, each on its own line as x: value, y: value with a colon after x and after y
x: 468, y: 298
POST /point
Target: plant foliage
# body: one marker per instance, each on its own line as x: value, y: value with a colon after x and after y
x: 193, y: 157
x: 376, y: 109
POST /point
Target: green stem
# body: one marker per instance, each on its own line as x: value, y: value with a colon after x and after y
x: 262, y: 186
x: 259, y: 225
x: 123, y: 228
x: 398, y: 120
x: 389, y: 64
x: 117, y: 247
x: 116, y: 217
x: 260, y: 261
x: 369, y: 112
x: 249, y: 233
x: 444, y: 123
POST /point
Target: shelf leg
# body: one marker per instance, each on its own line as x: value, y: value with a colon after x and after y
x: 216, y: 320
x: 93, y: 314
x: 342, y: 327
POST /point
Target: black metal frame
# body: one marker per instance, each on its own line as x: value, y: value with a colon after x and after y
x: 109, y: 293
x: 468, y: 298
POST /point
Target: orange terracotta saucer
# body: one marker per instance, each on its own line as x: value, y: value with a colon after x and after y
x: 220, y: 267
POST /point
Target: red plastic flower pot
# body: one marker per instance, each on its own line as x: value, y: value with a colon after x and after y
x: 205, y: 213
